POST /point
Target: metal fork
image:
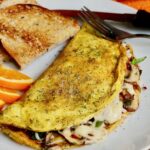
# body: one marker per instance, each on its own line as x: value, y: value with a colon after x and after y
x: 107, y: 31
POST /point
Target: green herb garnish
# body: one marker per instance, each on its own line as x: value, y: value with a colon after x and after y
x: 138, y: 60
x: 98, y: 123
x: 128, y: 103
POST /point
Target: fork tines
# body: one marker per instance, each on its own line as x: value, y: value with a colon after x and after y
x: 95, y: 21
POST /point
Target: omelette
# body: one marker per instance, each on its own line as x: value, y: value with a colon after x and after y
x: 87, y: 91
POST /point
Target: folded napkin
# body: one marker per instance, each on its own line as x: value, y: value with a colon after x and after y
x: 138, y: 4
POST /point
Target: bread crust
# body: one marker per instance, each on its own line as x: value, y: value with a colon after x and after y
x: 4, y: 57
x: 3, y: 4
x: 27, y: 31
x: 6, y: 3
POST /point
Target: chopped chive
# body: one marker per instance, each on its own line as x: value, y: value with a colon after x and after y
x: 98, y: 123
x: 138, y: 60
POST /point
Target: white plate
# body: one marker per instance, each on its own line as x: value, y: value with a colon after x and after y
x: 134, y: 134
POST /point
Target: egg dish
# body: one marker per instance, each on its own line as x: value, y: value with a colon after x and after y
x: 87, y: 91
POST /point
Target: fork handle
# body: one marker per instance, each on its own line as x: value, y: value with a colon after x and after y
x: 142, y: 19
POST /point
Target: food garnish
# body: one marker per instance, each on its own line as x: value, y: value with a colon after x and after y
x: 98, y: 123
x: 11, y: 84
x: 138, y: 60
x: 9, y: 95
x: 14, y: 79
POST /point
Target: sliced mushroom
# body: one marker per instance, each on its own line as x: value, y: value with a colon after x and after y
x: 134, y: 103
x: 134, y: 74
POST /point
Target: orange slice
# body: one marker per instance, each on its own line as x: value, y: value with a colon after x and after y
x: 2, y: 103
x: 138, y: 4
x: 14, y: 79
x: 8, y: 95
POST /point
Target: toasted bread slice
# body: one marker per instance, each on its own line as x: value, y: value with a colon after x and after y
x: 27, y: 31
x: 6, y: 3
x: 3, y: 55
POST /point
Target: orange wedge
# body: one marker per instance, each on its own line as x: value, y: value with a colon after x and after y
x: 2, y: 103
x: 14, y: 79
x: 8, y: 95
x: 138, y: 4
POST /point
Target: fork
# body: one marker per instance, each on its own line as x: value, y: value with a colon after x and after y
x: 107, y: 31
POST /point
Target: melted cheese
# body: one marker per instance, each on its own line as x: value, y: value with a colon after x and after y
x: 90, y: 133
x: 135, y: 74
x: 86, y: 134
x: 112, y: 112
x: 129, y: 88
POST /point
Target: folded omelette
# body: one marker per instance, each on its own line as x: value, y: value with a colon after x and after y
x: 88, y: 89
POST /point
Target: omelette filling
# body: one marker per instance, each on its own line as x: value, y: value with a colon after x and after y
x: 96, y: 128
